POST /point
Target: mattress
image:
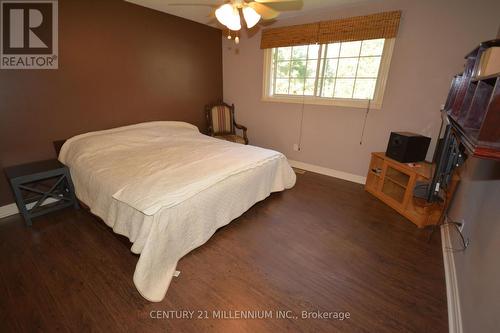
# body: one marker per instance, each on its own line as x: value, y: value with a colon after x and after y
x: 168, y: 188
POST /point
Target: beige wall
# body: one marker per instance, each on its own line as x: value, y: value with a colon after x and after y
x: 475, y: 204
x: 477, y: 268
x: 433, y: 38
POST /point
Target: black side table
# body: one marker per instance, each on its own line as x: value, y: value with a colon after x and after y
x: 35, y: 182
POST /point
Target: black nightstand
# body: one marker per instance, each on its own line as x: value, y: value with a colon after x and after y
x: 33, y: 183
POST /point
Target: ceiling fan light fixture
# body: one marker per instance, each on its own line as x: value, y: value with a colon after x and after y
x: 229, y: 16
x: 251, y: 17
x: 224, y: 13
x: 235, y: 25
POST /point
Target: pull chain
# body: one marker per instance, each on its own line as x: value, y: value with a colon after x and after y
x: 364, y: 123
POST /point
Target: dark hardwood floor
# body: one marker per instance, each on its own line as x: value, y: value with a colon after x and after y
x: 325, y: 245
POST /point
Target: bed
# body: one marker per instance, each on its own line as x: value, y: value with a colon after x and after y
x: 168, y: 188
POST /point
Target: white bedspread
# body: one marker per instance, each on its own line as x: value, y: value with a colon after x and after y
x: 168, y: 188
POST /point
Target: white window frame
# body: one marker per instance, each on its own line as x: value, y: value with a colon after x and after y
x: 375, y: 103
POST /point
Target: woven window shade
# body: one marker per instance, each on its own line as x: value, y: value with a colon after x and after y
x: 303, y: 34
x: 380, y: 25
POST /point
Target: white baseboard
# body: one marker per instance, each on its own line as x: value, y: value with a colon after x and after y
x: 8, y: 210
x: 452, y: 295
x: 11, y: 209
x: 328, y: 172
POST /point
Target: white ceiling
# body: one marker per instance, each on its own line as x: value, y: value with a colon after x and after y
x: 199, y: 10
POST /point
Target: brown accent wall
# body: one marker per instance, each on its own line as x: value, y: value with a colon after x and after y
x: 119, y: 64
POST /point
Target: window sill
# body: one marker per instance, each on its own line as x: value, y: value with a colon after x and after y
x: 350, y: 103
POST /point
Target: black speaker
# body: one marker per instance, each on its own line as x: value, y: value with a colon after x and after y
x: 407, y: 147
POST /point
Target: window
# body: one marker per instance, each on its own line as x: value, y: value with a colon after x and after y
x: 344, y: 73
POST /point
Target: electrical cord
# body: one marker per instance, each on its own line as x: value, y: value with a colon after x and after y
x: 442, y: 217
x: 364, y: 123
x: 301, y: 121
x: 457, y: 225
x: 445, y: 220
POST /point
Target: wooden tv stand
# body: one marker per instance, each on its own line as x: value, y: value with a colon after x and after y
x: 393, y: 183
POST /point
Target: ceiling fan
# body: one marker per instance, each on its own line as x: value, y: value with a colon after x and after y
x: 228, y: 13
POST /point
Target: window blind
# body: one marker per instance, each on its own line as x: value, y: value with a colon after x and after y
x: 380, y: 25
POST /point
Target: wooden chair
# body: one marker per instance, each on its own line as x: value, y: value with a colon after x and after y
x: 222, y: 125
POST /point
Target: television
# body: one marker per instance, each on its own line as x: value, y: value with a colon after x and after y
x: 449, y: 154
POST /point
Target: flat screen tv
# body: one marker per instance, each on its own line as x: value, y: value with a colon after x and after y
x: 449, y: 154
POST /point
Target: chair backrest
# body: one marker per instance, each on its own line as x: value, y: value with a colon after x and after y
x: 221, y: 117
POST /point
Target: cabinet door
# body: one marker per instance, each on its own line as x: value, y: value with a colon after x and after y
x: 374, y: 174
x: 395, y: 185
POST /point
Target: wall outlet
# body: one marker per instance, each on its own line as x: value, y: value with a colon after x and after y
x: 460, y: 223
x: 461, y: 227
x: 296, y: 147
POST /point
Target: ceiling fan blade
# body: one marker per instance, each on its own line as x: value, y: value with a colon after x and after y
x: 275, y: 1
x: 264, y: 11
x: 194, y: 4
x: 212, y: 13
